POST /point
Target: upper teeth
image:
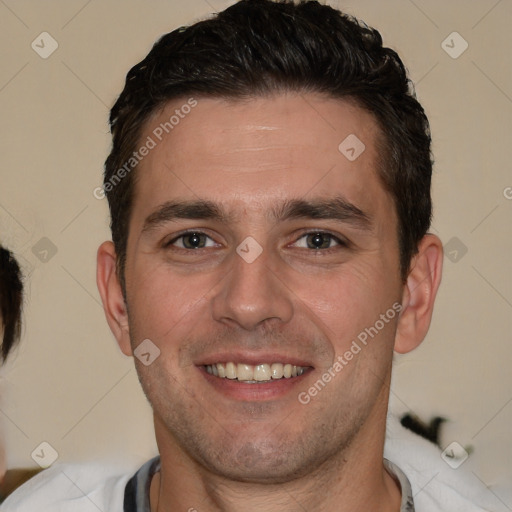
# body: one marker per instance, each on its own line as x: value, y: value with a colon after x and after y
x: 259, y: 372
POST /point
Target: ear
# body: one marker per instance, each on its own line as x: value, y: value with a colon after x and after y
x: 419, y: 294
x: 112, y: 296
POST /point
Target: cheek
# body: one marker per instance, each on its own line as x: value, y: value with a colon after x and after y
x: 347, y: 302
x: 171, y: 308
x: 161, y: 302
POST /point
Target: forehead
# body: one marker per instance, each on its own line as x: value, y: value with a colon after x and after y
x: 252, y: 153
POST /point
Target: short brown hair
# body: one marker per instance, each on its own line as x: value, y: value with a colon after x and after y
x: 258, y: 47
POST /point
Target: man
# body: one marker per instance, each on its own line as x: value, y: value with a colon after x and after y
x: 269, y: 190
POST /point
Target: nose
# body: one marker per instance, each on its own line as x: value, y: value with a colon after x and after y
x: 252, y: 294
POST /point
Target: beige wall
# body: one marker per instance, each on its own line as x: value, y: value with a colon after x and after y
x: 70, y: 386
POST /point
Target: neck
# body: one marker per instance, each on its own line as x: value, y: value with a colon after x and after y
x: 354, y: 479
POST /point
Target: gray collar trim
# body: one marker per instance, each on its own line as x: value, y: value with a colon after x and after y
x: 407, y: 504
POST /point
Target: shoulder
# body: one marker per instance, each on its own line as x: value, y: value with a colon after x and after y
x: 77, y: 487
x: 436, y: 486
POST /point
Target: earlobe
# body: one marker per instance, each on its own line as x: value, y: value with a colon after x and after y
x: 112, y: 296
x: 419, y: 294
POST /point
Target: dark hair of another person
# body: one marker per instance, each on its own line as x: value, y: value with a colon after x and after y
x: 11, y: 299
x: 257, y: 48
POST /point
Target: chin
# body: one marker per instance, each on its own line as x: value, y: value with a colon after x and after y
x: 265, y: 459
x: 261, y: 463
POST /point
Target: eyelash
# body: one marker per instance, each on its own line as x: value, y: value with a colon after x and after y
x: 340, y: 242
x: 183, y: 235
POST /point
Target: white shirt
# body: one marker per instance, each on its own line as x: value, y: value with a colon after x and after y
x: 425, y: 479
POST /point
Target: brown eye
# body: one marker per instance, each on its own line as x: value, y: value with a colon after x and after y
x: 318, y: 240
x: 192, y: 240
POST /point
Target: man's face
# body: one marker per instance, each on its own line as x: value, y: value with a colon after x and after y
x: 201, y: 291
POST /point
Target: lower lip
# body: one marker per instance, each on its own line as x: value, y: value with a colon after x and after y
x: 268, y: 390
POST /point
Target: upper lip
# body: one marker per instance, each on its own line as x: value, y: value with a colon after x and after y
x: 253, y: 358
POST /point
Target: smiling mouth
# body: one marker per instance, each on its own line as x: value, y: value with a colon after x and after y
x: 254, y: 374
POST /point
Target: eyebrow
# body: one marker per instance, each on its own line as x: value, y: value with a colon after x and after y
x: 337, y: 208
x: 173, y: 210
